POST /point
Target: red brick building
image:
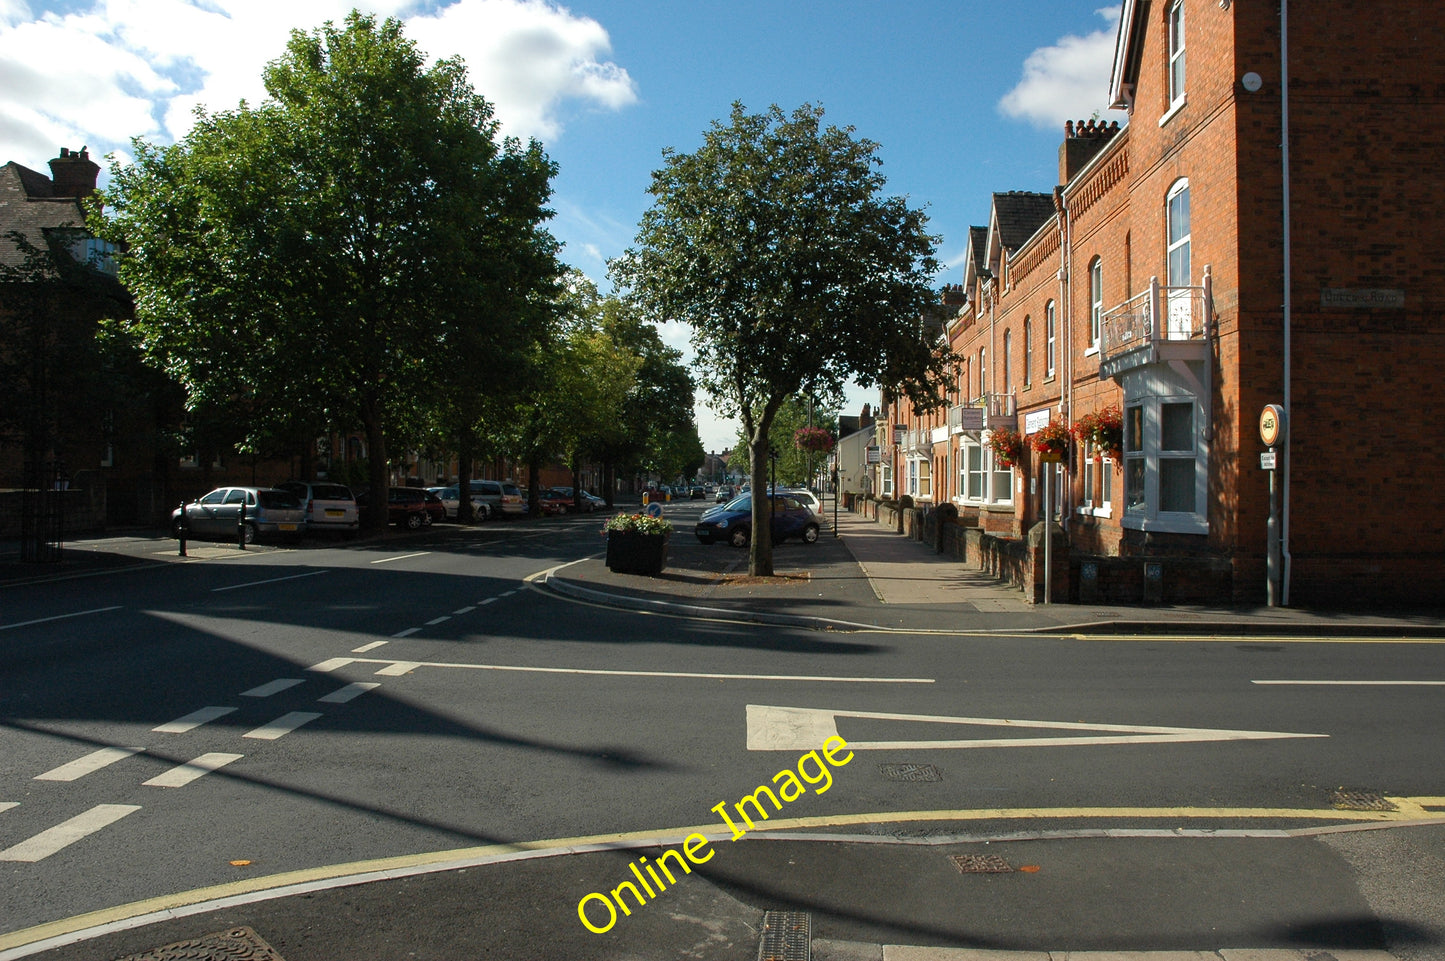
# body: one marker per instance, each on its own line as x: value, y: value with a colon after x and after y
x: 1162, y: 277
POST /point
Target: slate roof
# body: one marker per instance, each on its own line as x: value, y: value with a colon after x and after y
x: 978, y: 246
x: 28, y: 204
x: 1020, y: 213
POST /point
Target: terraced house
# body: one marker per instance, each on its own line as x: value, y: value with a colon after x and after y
x: 1264, y: 227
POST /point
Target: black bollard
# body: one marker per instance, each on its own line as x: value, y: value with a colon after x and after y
x: 241, y: 527
x: 182, y: 528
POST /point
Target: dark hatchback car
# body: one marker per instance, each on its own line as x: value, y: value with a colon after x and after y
x: 405, y: 506
x: 733, y: 521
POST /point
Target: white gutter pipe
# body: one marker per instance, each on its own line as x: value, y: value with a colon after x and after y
x: 1284, y: 160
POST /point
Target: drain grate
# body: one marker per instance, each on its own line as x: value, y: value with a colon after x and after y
x: 237, y: 944
x: 980, y: 864
x: 1359, y: 801
x: 911, y: 772
x: 787, y: 936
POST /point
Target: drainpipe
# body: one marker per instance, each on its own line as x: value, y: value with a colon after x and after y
x: 1284, y: 163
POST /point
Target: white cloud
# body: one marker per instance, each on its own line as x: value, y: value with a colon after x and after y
x: 1067, y: 81
x: 125, y: 68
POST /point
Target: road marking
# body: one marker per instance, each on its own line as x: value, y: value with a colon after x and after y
x: 273, y: 687
x: 7, y: 805
x: 400, y: 557
x: 193, y: 720
x: 1356, y: 683
x: 804, y: 728
x: 282, y: 726
x: 398, y: 668
x: 94, y: 761
x: 464, y: 610
x: 252, y: 890
x: 351, y: 691
x: 184, y: 774
x: 438, y: 620
x: 269, y: 580
x: 67, y: 833
x: 490, y: 600
x: 368, y: 647
x: 58, y: 617
x: 407, y: 633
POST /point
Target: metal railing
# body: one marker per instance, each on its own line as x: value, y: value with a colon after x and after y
x: 1184, y: 313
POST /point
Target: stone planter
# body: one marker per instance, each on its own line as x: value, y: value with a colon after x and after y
x: 632, y: 553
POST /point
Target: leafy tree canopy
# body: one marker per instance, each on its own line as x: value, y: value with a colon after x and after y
x: 774, y: 242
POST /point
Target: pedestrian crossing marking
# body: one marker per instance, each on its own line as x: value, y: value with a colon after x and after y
x: 273, y: 687
x: 63, y: 835
x: 94, y: 761
x: 351, y: 691
x: 282, y: 726
x: 193, y: 720
x: 183, y: 774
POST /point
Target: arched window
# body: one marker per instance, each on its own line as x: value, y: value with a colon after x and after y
x: 1096, y: 302
x: 1008, y: 380
x: 1050, y: 339
x: 1176, y: 53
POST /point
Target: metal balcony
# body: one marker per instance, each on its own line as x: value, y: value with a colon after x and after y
x: 1159, y: 325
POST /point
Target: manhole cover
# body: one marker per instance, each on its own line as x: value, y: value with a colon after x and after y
x: 237, y: 944
x: 981, y: 864
x: 1360, y: 801
x: 787, y: 936
x: 911, y: 772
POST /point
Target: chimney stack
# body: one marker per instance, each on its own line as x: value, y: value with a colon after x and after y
x: 1083, y: 139
x: 73, y: 173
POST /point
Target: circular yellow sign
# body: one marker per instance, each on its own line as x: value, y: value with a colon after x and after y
x: 1271, y: 424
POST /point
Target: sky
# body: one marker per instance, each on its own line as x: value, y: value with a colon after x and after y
x: 964, y: 98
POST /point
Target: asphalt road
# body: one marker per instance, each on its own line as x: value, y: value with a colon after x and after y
x: 187, y: 725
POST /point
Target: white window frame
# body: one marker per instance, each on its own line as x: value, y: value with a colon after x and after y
x: 1051, y: 330
x: 1174, y: 31
x: 976, y: 459
x: 983, y: 372
x: 1028, y: 351
x: 1096, y: 305
x: 1178, y: 233
x: 1008, y: 385
x: 1145, y: 458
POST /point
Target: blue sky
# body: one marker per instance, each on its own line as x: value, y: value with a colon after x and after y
x: 964, y: 98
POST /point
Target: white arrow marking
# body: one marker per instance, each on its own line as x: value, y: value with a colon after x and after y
x: 805, y: 729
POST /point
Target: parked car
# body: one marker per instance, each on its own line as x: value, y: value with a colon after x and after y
x: 405, y: 507
x: 733, y: 521
x: 695, y: 492
x: 328, y: 506
x: 451, y: 499
x: 725, y: 494
x: 435, y: 509
x: 269, y: 513
x: 809, y: 499
x: 553, y: 501
x: 590, y: 501
x: 501, y: 497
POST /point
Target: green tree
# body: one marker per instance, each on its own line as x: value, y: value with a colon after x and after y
x: 772, y: 241
x: 317, y: 257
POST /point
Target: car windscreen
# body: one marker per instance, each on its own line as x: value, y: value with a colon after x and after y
x: 279, y: 500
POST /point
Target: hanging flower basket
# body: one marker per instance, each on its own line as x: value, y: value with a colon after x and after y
x: 1103, y: 430
x: 1007, y: 445
x: 814, y: 439
x: 1051, y: 441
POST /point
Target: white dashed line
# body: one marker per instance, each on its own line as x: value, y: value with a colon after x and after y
x: 193, y: 720
x: 368, y: 647
x: 184, y: 774
x: 273, y: 687
x: 349, y: 692
x: 282, y: 726
x: 407, y: 633
x: 94, y: 761
x: 400, y: 557
x: 464, y: 610
x: 272, y: 580
x: 489, y: 600
x: 438, y: 620
x: 67, y: 833
x: 398, y: 668
x: 58, y: 617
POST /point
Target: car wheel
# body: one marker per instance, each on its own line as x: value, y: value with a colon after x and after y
x: 415, y: 520
x: 248, y: 534
x: 739, y: 537
x: 810, y: 534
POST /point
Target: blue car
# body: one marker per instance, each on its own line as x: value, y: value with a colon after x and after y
x: 733, y: 521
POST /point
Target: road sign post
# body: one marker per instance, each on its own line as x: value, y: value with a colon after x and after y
x: 1272, y: 432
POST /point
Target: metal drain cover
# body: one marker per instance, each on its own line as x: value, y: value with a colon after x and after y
x: 981, y: 864
x: 787, y: 936
x: 1359, y: 801
x: 237, y: 944
x: 911, y: 772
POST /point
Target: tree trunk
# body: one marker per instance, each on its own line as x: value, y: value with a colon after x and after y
x: 377, y: 476
x: 760, y: 552
x: 534, y: 492
x: 465, y: 515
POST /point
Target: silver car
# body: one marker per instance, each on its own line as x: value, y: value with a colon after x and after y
x: 269, y: 512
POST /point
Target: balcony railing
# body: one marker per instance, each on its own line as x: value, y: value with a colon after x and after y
x: 1156, y: 316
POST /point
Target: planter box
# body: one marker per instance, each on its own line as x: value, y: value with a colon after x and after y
x: 629, y: 553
